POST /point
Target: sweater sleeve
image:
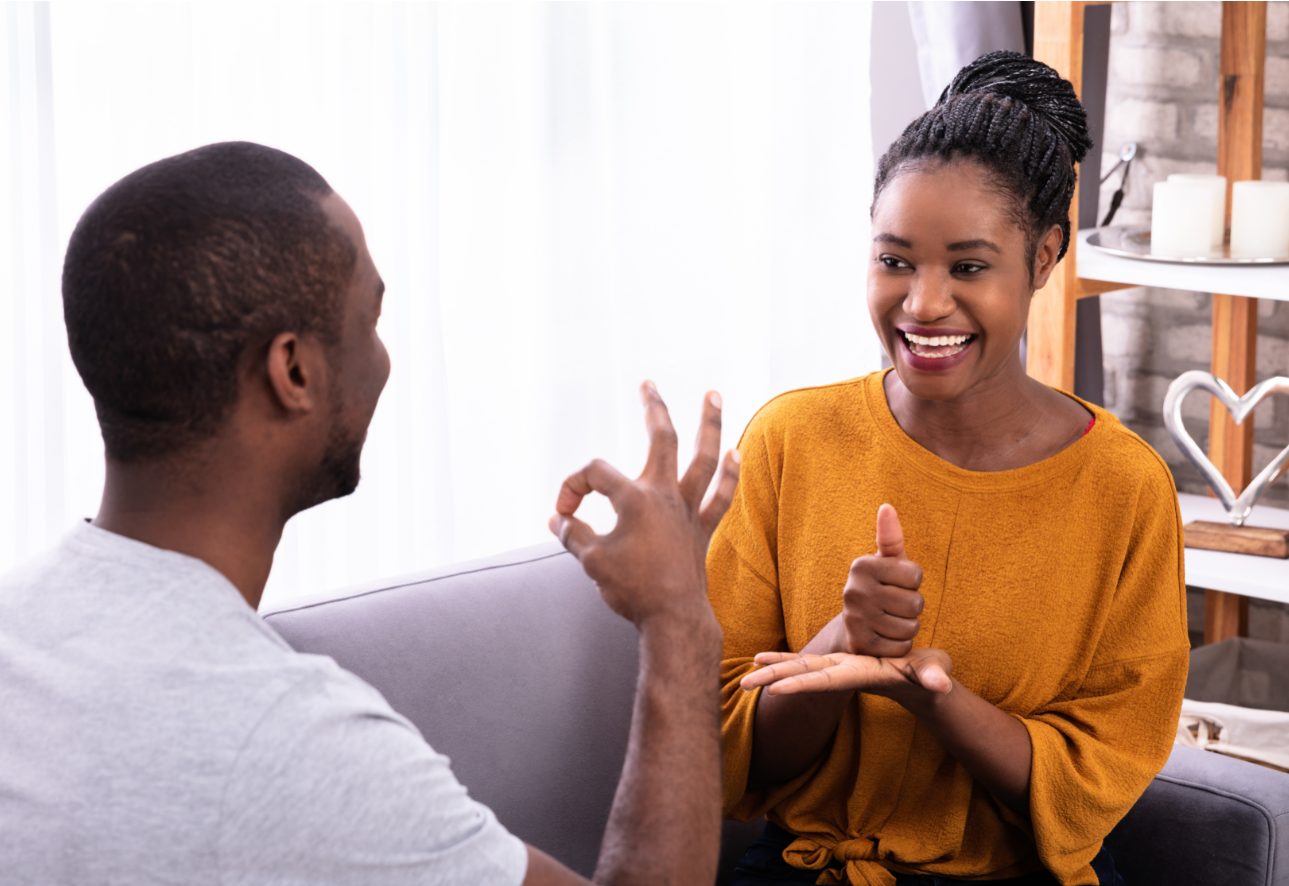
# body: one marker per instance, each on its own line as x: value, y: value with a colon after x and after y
x: 743, y: 585
x: 1096, y: 749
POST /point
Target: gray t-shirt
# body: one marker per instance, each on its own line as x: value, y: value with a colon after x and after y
x: 154, y: 730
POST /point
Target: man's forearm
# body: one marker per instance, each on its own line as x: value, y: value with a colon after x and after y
x: 665, y: 823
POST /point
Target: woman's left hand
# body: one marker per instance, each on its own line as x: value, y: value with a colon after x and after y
x: 903, y: 679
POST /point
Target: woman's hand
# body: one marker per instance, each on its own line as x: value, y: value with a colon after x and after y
x: 881, y: 603
x: 907, y: 679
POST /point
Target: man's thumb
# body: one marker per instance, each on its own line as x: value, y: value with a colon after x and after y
x: 890, y: 537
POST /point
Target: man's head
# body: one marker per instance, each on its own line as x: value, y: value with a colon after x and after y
x: 183, y: 281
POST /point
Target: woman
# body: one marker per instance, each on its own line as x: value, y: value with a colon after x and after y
x: 986, y: 692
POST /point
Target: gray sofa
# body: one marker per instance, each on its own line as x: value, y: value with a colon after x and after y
x: 514, y: 668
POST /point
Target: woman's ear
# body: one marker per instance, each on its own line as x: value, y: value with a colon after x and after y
x: 294, y: 368
x: 1045, y: 257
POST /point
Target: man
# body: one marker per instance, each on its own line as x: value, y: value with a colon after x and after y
x: 221, y: 308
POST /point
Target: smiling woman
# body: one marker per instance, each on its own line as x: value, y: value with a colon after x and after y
x: 952, y: 597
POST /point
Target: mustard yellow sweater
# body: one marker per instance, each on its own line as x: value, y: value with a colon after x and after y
x: 1056, y: 588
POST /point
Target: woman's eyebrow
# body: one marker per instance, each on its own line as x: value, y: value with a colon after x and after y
x: 891, y: 238
x: 964, y: 245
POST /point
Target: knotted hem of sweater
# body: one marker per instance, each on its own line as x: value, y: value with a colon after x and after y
x: 859, y: 868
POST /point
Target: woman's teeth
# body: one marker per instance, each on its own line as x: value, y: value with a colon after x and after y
x: 936, y: 346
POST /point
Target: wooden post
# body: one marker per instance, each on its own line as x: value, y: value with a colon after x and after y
x: 1235, y: 319
x: 1058, y: 41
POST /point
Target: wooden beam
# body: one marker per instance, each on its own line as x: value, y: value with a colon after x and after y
x: 1058, y: 41
x: 1235, y: 319
x: 1091, y: 288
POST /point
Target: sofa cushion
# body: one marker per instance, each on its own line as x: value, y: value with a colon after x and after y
x: 1207, y: 819
x: 513, y: 667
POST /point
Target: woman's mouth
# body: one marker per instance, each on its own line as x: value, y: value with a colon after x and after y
x: 935, y: 351
x: 936, y: 347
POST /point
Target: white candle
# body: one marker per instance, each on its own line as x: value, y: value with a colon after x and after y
x: 1179, y: 220
x: 1217, y: 212
x: 1260, y: 219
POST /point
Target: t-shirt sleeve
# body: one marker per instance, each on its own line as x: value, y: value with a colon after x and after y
x: 1096, y: 750
x: 332, y: 786
x: 742, y: 584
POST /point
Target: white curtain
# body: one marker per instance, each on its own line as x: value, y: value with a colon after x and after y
x: 563, y: 199
x: 950, y: 34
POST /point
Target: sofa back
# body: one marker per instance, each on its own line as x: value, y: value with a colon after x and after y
x: 514, y: 668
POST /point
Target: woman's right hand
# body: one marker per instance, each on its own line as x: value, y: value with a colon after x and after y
x: 881, y: 603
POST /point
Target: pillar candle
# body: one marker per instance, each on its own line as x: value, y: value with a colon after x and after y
x: 1217, y: 213
x: 1179, y: 220
x: 1260, y: 219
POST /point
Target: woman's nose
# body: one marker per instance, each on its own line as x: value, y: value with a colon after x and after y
x: 929, y: 298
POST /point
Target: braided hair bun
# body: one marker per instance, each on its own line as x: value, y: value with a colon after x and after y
x: 1018, y: 118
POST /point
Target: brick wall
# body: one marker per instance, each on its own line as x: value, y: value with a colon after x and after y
x: 1162, y: 94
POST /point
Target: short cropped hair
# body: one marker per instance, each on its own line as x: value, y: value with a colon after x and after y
x: 182, y: 267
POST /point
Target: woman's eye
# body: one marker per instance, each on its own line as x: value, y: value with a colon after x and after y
x: 968, y: 268
x: 892, y: 262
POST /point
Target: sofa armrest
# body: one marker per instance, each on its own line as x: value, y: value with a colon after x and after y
x: 1207, y: 819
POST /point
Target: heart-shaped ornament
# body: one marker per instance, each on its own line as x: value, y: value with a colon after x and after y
x: 1240, y: 408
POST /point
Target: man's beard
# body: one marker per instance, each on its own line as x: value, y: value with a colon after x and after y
x: 337, y: 474
x: 340, y: 469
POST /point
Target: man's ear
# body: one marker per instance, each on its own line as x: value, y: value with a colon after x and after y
x: 1049, y: 248
x: 295, y: 370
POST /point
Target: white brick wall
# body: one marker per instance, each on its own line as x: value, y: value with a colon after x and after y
x: 1162, y: 93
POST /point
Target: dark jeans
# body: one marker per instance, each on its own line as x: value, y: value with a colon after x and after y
x: 763, y: 864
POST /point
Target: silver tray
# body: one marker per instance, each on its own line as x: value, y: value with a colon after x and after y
x: 1130, y: 242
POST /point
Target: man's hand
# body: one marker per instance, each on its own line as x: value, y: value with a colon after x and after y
x: 881, y: 603
x: 903, y: 679
x: 654, y: 560
x: 665, y: 823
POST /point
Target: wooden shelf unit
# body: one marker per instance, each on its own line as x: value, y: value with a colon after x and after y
x: 1058, y: 41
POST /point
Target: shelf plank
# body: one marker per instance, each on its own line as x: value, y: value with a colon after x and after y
x: 1255, y: 281
x: 1266, y: 578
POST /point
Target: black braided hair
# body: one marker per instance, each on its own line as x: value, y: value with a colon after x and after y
x: 1019, y: 119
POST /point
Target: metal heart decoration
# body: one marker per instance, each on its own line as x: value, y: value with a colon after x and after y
x: 1240, y: 408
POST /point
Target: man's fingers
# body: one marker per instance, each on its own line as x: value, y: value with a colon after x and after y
x: 661, y: 463
x: 719, y: 501
x: 573, y: 534
x: 597, y: 476
x: 707, y: 452
x: 890, y: 536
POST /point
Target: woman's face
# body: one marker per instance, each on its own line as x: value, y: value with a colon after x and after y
x: 949, y: 283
